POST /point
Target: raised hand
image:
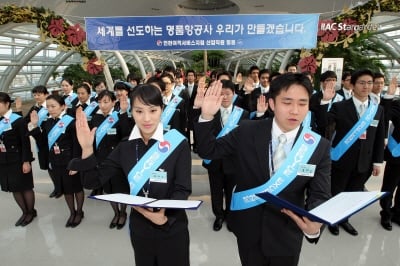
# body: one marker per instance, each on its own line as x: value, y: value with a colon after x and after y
x: 84, y: 134
x: 248, y: 85
x: 212, y: 101
x: 392, y: 86
x: 239, y: 78
x: 262, y: 104
x: 34, y: 118
x: 123, y: 100
x: 329, y: 91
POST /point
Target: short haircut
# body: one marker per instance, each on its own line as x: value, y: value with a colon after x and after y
x: 263, y: 71
x: 167, y: 75
x: 170, y: 69
x: 40, y: 89
x: 378, y: 75
x: 98, y: 82
x: 345, y: 75
x: 252, y: 68
x: 122, y: 85
x: 68, y: 80
x: 132, y: 76
x: 107, y: 93
x: 190, y: 71
x: 158, y: 81
x: 359, y: 73
x: 284, y: 81
x: 59, y: 99
x: 147, y: 94
x: 86, y: 87
x: 228, y: 84
x: 327, y: 75
x: 291, y: 65
x: 224, y: 73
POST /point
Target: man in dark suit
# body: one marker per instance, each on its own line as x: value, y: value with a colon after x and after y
x: 191, y: 88
x: 251, y: 94
x: 362, y: 148
x: 346, y: 90
x: 221, y: 171
x: 267, y: 235
x: 391, y: 178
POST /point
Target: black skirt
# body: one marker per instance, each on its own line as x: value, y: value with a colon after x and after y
x: 12, y: 179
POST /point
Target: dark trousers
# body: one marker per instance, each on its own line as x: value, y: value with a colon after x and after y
x: 391, y: 181
x: 344, y: 180
x: 253, y: 256
x: 220, y: 187
x: 153, y: 251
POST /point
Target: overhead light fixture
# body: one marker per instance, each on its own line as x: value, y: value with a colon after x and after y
x: 75, y: 1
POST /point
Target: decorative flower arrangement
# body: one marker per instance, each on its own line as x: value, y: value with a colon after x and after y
x: 343, y: 29
x: 56, y: 29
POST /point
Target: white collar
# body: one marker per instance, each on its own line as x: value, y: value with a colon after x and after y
x: 276, y: 132
x: 101, y: 113
x: 229, y: 108
x: 8, y: 114
x: 357, y: 102
x: 60, y: 116
x: 158, y: 134
x: 42, y: 105
x: 87, y: 102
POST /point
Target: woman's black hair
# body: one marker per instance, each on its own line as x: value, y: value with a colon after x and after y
x: 147, y: 94
x: 56, y: 98
x: 5, y: 98
x: 106, y: 93
x: 86, y: 87
x: 40, y: 89
x: 70, y: 82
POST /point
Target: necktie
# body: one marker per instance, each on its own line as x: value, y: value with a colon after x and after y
x: 225, y: 116
x: 279, y: 154
x: 361, y: 109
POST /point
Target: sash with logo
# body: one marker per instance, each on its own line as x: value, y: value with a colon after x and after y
x: 42, y: 114
x: 287, y: 172
x: 90, y: 108
x: 355, y: 132
x: 170, y: 110
x: 232, y: 122
x: 152, y: 159
x: 178, y: 89
x: 337, y: 98
x: 394, y: 147
x: 307, y: 120
x: 58, y: 129
x: 70, y: 98
x: 108, y: 123
x: 5, y: 124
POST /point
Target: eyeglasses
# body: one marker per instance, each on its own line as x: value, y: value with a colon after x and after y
x: 363, y: 83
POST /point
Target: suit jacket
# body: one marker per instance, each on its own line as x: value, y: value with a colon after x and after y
x: 191, y: 114
x: 395, y: 117
x: 265, y: 224
x: 364, y: 152
x: 179, y: 118
x: 250, y: 99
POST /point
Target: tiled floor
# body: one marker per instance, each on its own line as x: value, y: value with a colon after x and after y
x: 46, y: 242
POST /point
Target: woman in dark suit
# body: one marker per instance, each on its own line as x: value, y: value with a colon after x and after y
x: 57, y: 136
x: 111, y: 128
x: 88, y: 104
x: 15, y: 160
x: 158, y: 236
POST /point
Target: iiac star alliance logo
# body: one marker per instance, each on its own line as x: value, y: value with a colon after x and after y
x: 164, y: 146
x: 308, y: 138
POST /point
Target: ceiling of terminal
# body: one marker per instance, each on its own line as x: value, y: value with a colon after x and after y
x: 22, y: 38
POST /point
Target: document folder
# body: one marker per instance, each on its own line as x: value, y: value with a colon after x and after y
x: 333, y: 211
x: 149, y: 202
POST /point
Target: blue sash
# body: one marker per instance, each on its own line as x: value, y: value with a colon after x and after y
x: 70, y: 98
x: 177, y: 90
x: 90, y: 108
x: 169, y: 111
x: 234, y: 98
x: 108, y: 123
x: 307, y: 120
x: 232, y: 122
x: 152, y: 159
x: 58, y: 129
x: 300, y: 154
x: 394, y: 147
x: 252, y: 115
x: 5, y: 124
x: 337, y: 98
x: 42, y: 114
x: 355, y: 132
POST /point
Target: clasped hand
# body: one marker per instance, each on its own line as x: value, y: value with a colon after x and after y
x: 157, y: 218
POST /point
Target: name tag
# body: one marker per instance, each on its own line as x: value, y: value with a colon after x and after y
x: 112, y: 131
x: 158, y: 177
x: 374, y: 123
x: 306, y: 170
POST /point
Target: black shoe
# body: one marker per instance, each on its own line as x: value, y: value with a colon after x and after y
x: 29, y: 217
x: 70, y: 220
x: 20, y: 220
x: 349, y: 228
x: 114, y: 221
x: 334, y: 229
x: 121, y: 220
x: 386, y: 224
x: 58, y: 195
x: 78, y: 219
x: 218, y: 224
x: 53, y: 194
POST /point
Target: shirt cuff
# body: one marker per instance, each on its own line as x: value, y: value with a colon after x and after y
x: 378, y: 164
x: 259, y: 114
x: 388, y: 96
x: 314, y: 235
x: 203, y: 120
x: 325, y: 102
